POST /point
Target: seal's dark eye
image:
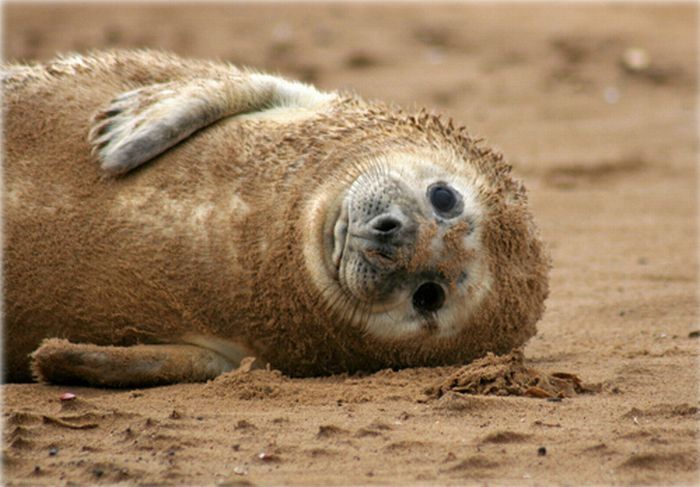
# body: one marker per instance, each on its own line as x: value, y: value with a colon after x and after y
x: 446, y: 200
x: 443, y: 198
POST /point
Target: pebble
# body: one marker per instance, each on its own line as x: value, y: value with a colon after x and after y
x: 636, y: 59
x: 611, y: 95
x: 267, y: 457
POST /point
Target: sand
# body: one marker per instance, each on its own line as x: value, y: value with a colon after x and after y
x: 594, y: 105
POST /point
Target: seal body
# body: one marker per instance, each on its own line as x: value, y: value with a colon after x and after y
x: 243, y: 237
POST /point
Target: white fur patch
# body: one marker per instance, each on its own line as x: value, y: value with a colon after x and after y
x: 70, y: 64
x: 237, y: 206
x: 291, y: 94
x: 201, y: 217
x: 280, y: 115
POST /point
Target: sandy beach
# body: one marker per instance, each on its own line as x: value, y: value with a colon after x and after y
x: 594, y: 105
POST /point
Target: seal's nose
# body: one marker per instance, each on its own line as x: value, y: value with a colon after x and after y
x: 385, y: 225
x: 391, y: 228
x: 381, y: 237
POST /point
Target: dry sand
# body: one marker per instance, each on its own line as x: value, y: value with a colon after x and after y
x: 607, y: 144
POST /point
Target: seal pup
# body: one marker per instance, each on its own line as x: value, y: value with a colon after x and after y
x: 166, y: 217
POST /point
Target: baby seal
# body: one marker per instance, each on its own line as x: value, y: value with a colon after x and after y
x: 165, y: 218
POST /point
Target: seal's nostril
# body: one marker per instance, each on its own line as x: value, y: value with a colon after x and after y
x: 386, y: 225
x: 429, y: 297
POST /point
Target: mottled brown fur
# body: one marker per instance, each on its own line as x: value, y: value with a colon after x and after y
x: 79, y: 265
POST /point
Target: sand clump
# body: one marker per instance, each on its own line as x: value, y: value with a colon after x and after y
x: 507, y: 375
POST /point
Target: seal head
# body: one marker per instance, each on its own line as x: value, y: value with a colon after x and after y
x: 402, y: 251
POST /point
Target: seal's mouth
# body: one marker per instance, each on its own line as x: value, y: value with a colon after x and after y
x: 428, y: 297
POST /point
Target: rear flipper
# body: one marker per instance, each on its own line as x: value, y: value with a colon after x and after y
x: 61, y: 362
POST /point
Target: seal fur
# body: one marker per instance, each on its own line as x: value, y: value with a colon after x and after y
x: 215, y: 248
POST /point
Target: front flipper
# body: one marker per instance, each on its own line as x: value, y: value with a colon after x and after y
x: 62, y: 362
x: 141, y: 124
